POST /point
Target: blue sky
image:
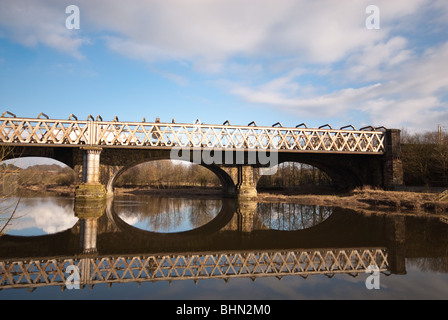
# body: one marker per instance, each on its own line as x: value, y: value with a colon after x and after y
x: 291, y: 61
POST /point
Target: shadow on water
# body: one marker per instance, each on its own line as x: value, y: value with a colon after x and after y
x: 174, y: 215
x: 223, y: 239
x: 166, y: 215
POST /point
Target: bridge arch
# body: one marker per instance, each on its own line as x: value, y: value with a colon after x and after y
x: 345, y: 173
x: 39, y: 174
x: 30, y: 160
x: 114, y: 173
x: 293, y: 174
x: 63, y: 155
x: 220, y: 221
x: 340, y: 176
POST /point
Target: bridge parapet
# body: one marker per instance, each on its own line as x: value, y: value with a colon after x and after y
x: 37, y: 131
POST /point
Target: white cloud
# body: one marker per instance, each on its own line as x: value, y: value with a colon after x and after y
x: 303, y: 55
x: 425, y: 75
x: 200, y: 29
x: 415, y: 94
x: 412, y: 91
x: 374, y: 60
x: 31, y: 23
x: 210, y: 32
x: 416, y: 114
x: 45, y: 215
x: 318, y: 105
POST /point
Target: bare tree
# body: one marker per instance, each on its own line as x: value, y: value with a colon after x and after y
x: 440, y: 158
x: 8, y: 208
x: 425, y: 158
x: 168, y: 174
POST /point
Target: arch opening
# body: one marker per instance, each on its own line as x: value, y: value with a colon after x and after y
x: 166, y: 214
x: 36, y: 196
x: 298, y: 177
x: 37, y: 175
x: 167, y: 196
x: 168, y: 176
x: 292, y: 216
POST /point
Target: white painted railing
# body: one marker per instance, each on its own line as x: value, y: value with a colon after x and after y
x: 24, y: 131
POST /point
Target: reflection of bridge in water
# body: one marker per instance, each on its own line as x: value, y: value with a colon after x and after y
x: 107, y: 250
x: 216, y: 265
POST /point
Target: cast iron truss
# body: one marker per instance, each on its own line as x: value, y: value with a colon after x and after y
x: 98, y: 133
x: 93, y: 269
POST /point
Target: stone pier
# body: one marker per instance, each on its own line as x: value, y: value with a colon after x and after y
x: 88, y: 212
x: 245, y: 214
x: 90, y: 188
x: 393, y: 167
x: 245, y: 179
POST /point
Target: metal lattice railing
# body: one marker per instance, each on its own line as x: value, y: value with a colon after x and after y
x: 24, y: 131
x: 222, y: 265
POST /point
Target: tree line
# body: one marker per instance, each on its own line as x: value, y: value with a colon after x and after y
x: 425, y: 158
x: 37, y: 175
x: 294, y: 174
x: 168, y: 174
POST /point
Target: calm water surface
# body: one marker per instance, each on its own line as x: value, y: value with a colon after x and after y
x: 233, y: 234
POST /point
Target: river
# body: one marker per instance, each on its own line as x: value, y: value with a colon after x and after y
x: 153, y: 247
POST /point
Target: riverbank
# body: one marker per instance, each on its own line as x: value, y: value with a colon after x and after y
x: 378, y: 200
x: 190, y: 192
x: 48, y: 189
x: 386, y: 201
x: 412, y: 202
x: 366, y: 200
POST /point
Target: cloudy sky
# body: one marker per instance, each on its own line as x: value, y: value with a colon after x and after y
x: 291, y: 61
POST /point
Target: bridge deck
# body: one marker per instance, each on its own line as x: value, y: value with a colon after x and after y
x: 50, y: 132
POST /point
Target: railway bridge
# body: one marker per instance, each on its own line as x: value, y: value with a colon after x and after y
x: 99, y: 151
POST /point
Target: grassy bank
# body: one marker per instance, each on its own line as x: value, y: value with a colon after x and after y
x: 385, y: 201
x: 191, y: 192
